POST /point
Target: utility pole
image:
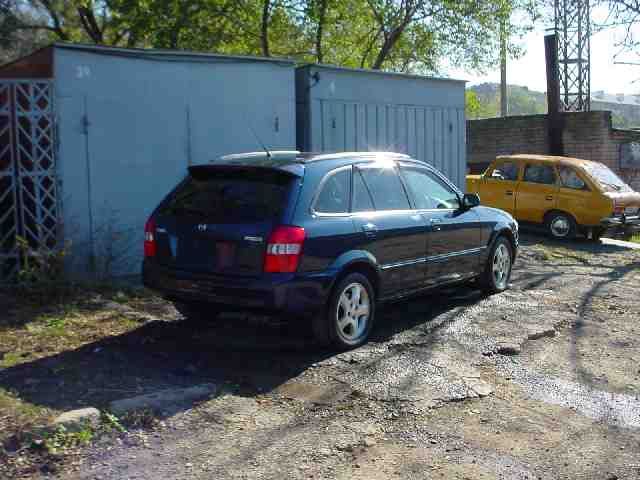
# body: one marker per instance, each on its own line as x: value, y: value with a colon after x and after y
x: 503, y: 69
x: 573, y: 31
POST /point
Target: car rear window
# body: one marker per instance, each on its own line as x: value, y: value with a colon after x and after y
x: 605, y: 177
x: 230, y: 197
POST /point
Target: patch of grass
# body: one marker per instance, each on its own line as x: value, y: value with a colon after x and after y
x: 10, y: 359
x: 62, y: 439
x: 16, y: 411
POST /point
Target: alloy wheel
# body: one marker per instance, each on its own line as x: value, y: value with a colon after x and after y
x: 352, y: 312
x: 501, y: 266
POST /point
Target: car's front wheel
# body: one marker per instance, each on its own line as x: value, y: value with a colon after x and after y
x: 348, y: 318
x: 497, y: 272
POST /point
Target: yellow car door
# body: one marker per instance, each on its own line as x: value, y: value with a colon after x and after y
x: 499, y: 184
x: 575, y: 196
x: 537, y: 192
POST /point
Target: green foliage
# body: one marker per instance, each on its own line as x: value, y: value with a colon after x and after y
x: 408, y: 36
x: 62, y: 439
x: 42, y: 265
x: 483, y: 101
x: 110, y: 422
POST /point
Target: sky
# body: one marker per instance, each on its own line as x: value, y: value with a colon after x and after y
x: 529, y: 70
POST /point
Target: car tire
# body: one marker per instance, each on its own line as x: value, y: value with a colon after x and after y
x: 497, y: 271
x: 348, y: 318
x: 197, y: 313
x: 560, y: 226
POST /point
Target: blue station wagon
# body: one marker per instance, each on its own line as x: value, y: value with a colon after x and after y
x: 320, y: 237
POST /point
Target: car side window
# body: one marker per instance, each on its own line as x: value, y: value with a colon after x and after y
x: 539, y: 173
x: 505, y: 171
x: 335, y: 192
x: 386, y: 188
x: 428, y: 191
x: 361, y: 197
x: 570, y: 179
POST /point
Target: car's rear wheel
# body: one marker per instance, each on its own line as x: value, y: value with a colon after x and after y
x: 497, y: 272
x: 560, y: 225
x: 197, y: 313
x: 348, y: 319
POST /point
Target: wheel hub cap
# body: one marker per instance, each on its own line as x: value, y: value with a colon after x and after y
x: 560, y: 227
x: 352, y: 314
x: 501, y: 266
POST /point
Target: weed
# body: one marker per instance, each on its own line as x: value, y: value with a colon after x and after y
x: 143, y: 419
x: 10, y: 359
x: 62, y: 439
x: 111, y: 423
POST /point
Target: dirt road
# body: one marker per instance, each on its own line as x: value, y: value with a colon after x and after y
x: 542, y: 381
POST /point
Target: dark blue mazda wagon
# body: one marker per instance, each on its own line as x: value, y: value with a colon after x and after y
x: 321, y: 237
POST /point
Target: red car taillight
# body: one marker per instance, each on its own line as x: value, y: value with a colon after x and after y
x: 284, y: 249
x: 150, y: 238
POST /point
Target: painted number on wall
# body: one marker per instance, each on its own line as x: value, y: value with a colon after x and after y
x: 82, y: 71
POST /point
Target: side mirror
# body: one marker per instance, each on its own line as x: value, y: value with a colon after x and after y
x: 470, y: 200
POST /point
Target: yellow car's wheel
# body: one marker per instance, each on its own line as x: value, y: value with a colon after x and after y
x: 560, y: 225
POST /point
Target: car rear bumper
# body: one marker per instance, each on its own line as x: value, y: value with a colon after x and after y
x: 276, y: 293
x: 625, y: 223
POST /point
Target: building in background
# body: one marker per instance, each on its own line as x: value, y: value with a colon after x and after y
x: 92, y: 137
x: 625, y: 108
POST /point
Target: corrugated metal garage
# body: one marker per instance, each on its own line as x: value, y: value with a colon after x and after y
x: 340, y: 109
x: 92, y: 137
x: 124, y: 125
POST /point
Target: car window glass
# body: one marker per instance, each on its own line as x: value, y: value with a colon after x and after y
x: 505, y: 171
x: 570, y: 179
x: 361, y: 198
x: 429, y: 192
x: 608, y: 180
x: 386, y: 188
x: 229, y: 197
x: 538, y: 173
x: 334, y: 193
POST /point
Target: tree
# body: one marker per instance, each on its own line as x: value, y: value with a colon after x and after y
x: 623, y: 13
x: 399, y: 35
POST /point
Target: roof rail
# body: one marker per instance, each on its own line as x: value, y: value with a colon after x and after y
x: 276, y: 155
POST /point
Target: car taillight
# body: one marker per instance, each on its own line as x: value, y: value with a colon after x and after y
x: 150, y: 238
x: 284, y: 249
x: 618, y: 209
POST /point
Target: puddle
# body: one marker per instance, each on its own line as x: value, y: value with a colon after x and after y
x: 610, y: 408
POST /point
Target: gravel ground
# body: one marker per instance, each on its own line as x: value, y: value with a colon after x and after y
x: 541, y: 381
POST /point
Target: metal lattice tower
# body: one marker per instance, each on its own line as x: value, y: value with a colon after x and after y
x: 573, y: 30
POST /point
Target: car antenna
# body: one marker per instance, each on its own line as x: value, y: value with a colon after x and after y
x: 259, y: 141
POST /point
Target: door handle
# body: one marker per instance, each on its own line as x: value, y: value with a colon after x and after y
x: 508, y: 192
x: 370, y: 229
x: 435, y: 224
x: 549, y: 197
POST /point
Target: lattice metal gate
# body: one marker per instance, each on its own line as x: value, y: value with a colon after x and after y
x: 28, y: 191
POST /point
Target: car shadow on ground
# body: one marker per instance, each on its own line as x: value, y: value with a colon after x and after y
x: 532, y: 237
x: 251, y: 355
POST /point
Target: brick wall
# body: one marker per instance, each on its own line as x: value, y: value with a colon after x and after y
x: 587, y: 135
